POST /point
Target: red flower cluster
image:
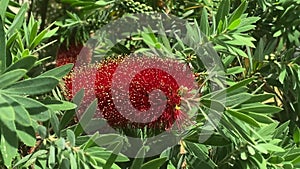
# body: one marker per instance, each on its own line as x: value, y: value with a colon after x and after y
x: 70, y: 54
x: 168, y: 76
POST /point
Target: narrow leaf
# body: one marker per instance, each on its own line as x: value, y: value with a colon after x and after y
x: 238, y: 12
x: 24, y: 63
x: 204, y: 25
x: 11, y: 77
x: 260, y: 108
x: 21, y: 114
x: 58, y: 72
x: 154, y: 164
x: 88, y: 114
x: 57, y: 105
x: 2, y: 47
x: 244, y: 118
x: 37, y: 110
x: 223, y: 11
x: 32, y: 86
x: 6, y: 111
x: 26, y: 135
x: 8, y: 143
x: 18, y: 20
x: 71, y: 137
x: 113, y: 156
x: 3, y: 7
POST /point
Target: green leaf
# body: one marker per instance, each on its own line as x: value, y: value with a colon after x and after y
x: 86, y: 142
x: 260, y: 98
x: 58, y: 72
x: 33, y: 30
x: 110, y: 161
x: 26, y: 135
x: 103, y: 3
x: 2, y: 46
x: 259, y: 54
x: 32, y: 86
x: 238, y: 12
x: 51, y: 157
x: 138, y: 161
x: 18, y: 20
x: 198, y: 157
x: 8, y: 142
x: 262, y: 118
x: 30, y: 158
x: 282, y: 76
x: 65, y: 164
x: 296, y: 135
x: 245, y: 28
x: 43, y: 35
x: 278, y: 33
x: 282, y: 129
x: 223, y: 11
x: 268, y: 130
x: 239, y: 129
x: 235, y: 70
x: 57, y: 105
x: 265, y: 147
x: 71, y: 137
x: 24, y: 63
x: 73, y: 161
x: 88, y: 114
x: 242, y: 40
x: 219, y: 95
x: 6, y: 111
x: 234, y: 24
x: 259, y: 108
x: 154, y: 164
x: 250, y: 150
x: 149, y: 38
x: 276, y: 159
x: 296, y: 162
x: 108, y: 139
x: 237, y: 99
x: 3, y: 6
x: 22, y: 115
x: 37, y: 110
x: 227, y: 60
x: 204, y: 25
x: 259, y: 160
x: 55, y: 123
x: 67, y: 117
x: 244, y: 118
x: 78, y: 97
x: 244, y: 155
x: 42, y: 131
x: 105, y: 154
x: 11, y: 77
x: 213, y: 104
x: 216, y: 140
x: 60, y: 143
x: 239, y: 85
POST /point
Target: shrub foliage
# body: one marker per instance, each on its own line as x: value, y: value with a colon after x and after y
x: 257, y: 42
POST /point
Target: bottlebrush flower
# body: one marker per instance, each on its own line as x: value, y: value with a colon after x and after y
x: 167, y: 75
x: 72, y: 54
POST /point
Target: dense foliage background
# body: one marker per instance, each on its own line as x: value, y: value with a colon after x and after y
x: 257, y: 41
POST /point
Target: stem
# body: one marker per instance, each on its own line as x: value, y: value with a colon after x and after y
x: 2, y: 47
x: 44, y: 7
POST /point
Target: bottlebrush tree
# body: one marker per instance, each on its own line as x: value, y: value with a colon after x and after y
x: 43, y: 107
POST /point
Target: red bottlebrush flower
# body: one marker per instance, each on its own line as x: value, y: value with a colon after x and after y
x: 125, y: 90
x: 72, y: 54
